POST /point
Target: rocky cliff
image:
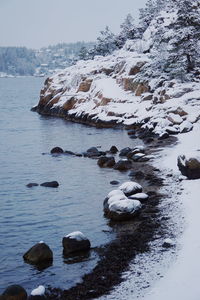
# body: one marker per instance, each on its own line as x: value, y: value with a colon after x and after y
x: 108, y: 91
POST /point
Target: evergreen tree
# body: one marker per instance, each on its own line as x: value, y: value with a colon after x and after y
x: 106, y: 43
x: 181, y: 40
x: 128, y: 31
x: 83, y: 53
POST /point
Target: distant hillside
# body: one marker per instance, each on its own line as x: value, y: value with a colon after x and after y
x: 20, y: 61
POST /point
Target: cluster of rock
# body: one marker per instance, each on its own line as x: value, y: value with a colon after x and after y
x: 127, y: 157
x: 53, y: 184
x: 72, y: 243
x: 41, y: 254
x: 108, y: 92
x: 17, y: 292
x: 125, y: 202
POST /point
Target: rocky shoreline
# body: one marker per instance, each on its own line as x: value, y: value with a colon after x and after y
x: 132, y: 238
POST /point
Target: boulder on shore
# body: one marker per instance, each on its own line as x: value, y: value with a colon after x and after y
x: 39, y: 253
x: 123, y: 209
x: 75, y: 242
x: 189, y: 166
x: 14, y: 292
x: 130, y: 187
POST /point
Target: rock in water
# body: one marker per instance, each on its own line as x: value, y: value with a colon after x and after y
x: 75, y: 242
x: 113, y: 150
x: 53, y: 184
x: 39, y: 253
x: 106, y: 162
x: 121, y: 210
x: 123, y: 165
x: 57, y: 150
x: 14, y: 292
x: 189, y: 166
x: 32, y: 184
x: 125, y: 151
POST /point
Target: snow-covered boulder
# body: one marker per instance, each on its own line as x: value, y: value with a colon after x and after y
x: 168, y: 243
x: 120, y: 196
x: 121, y: 210
x: 14, y: 292
x: 186, y: 126
x: 39, y: 253
x: 130, y: 188
x: 189, y: 165
x: 175, y: 118
x: 75, y: 242
x: 139, y: 196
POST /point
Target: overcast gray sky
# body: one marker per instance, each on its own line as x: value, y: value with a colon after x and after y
x: 37, y: 23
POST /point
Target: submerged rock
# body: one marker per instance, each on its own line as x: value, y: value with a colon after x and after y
x: 32, y: 184
x: 114, y: 182
x: 14, y: 292
x: 189, y: 166
x: 39, y: 253
x: 57, y: 150
x: 75, y: 242
x: 93, y: 152
x: 53, y: 184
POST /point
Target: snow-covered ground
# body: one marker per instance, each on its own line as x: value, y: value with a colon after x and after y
x: 172, y: 274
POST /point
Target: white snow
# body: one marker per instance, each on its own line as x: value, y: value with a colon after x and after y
x: 76, y: 235
x: 171, y: 276
x: 114, y: 193
x: 182, y: 279
x: 125, y: 206
x: 119, y: 197
x: 39, y: 291
x: 139, y: 196
x: 168, y: 241
x: 130, y: 187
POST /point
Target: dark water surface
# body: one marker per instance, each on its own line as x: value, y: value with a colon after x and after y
x: 28, y: 216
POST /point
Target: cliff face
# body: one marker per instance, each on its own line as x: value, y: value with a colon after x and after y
x: 102, y: 90
x: 108, y: 91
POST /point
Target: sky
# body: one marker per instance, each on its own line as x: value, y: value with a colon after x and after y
x: 38, y: 23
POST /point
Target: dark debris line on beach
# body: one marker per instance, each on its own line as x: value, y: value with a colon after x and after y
x: 115, y: 257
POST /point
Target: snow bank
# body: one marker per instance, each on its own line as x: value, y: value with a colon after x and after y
x: 76, y: 235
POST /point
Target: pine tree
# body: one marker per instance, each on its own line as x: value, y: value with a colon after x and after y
x: 83, y: 53
x: 106, y: 43
x: 183, y: 42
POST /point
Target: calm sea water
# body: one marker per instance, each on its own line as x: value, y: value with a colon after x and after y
x: 28, y: 216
